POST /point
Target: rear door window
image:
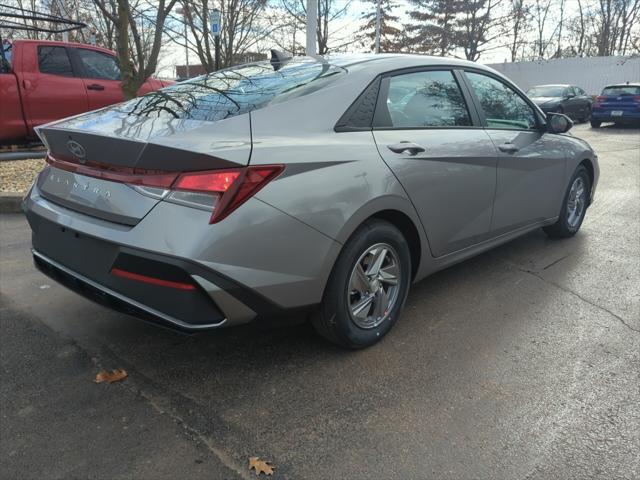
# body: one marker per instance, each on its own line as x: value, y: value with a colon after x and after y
x: 98, y: 65
x: 424, y: 99
x: 55, y: 61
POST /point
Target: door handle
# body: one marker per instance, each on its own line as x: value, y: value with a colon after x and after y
x: 508, y: 148
x: 95, y: 86
x: 412, y: 148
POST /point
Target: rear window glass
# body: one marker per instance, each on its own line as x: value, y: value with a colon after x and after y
x: 234, y: 91
x: 622, y: 90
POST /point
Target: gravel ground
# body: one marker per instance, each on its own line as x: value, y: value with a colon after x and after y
x: 17, y: 176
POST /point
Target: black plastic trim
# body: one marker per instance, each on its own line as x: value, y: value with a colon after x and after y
x: 359, y: 116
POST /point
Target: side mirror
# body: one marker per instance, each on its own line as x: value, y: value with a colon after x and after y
x: 569, y: 95
x: 558, y: 123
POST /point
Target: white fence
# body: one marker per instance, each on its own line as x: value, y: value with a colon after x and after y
x: 591, y: 73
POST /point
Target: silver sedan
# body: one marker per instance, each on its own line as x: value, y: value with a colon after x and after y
x: 319, y: 185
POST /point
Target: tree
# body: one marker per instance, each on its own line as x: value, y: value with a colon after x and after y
x: 519, y: 16
x: 328, y: 12
x: 137, y: 60
x: 389, y: 33
x: 241, y: 29
x: 433, y: 26
x: 478, y: 26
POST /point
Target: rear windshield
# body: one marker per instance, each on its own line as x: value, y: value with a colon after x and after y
x: 621, y: 90
x: 234, y: 91
x: 546, y: 91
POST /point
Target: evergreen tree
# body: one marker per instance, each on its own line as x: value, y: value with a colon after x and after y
x: 389, y: 33
x: 433, y: 29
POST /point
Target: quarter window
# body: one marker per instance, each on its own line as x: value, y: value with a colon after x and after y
x: 54, y: 60
x: 503, y: 107
x: 98, y: 65
x: 425, y: 99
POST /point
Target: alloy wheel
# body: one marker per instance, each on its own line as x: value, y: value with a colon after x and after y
x: 374, y: 285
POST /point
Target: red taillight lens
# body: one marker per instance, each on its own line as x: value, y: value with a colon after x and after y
x: 636, y: 98
x: 207, y: 181
x: 225, y: 189
x: 600, y: 98
x: 132, y: 176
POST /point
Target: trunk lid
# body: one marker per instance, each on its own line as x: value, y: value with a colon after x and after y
x: 114, y: 141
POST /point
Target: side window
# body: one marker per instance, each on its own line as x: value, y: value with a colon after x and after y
x: 54, y: 60
x: 503, y: 107
x: 98, y: 65
x: 426, y: 99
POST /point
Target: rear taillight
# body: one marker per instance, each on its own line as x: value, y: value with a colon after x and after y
x: 636, y: 98
x: 598, y: 101
x: 222, y: 190
x: 219, y: 191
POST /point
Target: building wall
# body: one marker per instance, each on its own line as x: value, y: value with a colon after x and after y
x: 590, y: 73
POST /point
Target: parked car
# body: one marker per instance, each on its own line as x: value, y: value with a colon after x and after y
x: 309, y: 184
x: 568, y: 99
x: 618, y: 103
x: 43, y: 81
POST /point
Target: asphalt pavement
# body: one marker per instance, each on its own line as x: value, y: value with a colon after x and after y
x: 522, y: 363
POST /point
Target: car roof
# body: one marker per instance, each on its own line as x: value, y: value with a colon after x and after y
x: 554, y: 85
x: 392, y: 61
x: 627, y: 84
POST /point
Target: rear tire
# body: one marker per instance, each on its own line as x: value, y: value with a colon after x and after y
x: 574, y: 206
x: 595, y: 123
x: 348, y: 291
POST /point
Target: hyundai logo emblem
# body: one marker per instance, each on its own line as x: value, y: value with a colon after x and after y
x: 76, y: 149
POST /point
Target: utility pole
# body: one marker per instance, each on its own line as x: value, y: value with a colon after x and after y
x: 378, y: 19
x: 183, y: 11
x: 312, y: 24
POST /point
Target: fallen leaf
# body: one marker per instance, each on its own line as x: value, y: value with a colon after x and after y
x: 260, y: 466
x: 113, y: 376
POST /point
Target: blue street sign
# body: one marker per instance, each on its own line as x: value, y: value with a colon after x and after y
x: 215, y: 23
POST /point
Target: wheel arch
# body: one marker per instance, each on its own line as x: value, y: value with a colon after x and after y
x: 400, y: 213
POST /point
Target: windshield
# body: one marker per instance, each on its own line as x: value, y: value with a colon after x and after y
x: 234, y: 91
x: 546, y: 91
x: 621, y: 90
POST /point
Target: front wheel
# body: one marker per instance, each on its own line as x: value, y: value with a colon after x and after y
x: 574, y: 206
x: 367, y: 287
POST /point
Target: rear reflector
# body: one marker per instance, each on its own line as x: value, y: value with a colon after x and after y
x: 152, y: 280
x: 219, y: 191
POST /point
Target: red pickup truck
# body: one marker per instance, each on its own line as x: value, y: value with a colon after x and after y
x: 42, y: 81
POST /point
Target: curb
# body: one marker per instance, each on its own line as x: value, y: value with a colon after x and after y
x: 10, y: 202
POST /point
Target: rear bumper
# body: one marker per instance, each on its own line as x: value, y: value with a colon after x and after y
x: 606, y: 115
x: 112, y: 299
x: 238, y: 270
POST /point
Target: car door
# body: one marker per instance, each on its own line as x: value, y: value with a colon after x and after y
x: 53, y: 91
x: 101, y: 77
x: 531, y: 162
x: 433, y: 143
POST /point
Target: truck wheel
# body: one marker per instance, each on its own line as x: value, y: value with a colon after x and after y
x: 595, y: 123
